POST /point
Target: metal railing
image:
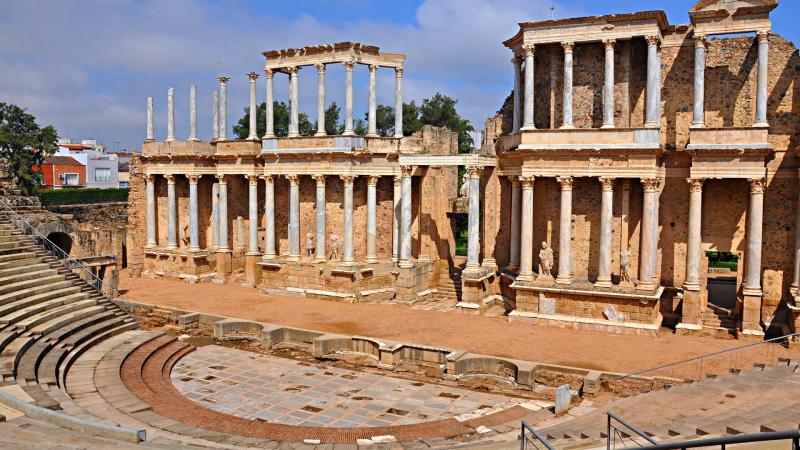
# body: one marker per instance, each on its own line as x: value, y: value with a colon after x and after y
x: 613, y: 433
x: 724, y: 441
x: 530, y: 438
x: 767, y: 352
x: 70, y: 263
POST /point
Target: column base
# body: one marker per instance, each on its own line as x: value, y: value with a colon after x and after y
x: 269, y: 257
x: 489, y: 264
x: 193, y: 140
x: 528, y: 278
x: 395, y: 259
x: 761, y: 125
x: 151, y: 245
x: 567, y: 127
x: 563, y: 279
x: 528, y: 127
x: 697, y: 125
x: 608, y: 126
x: 348, y: 133
x: 688, y: 329
x: 268, y: 136
x: 398, y: 136
x: 651, y: 125
x: 169, y: 140
x: 320, y: 134
x: 172, y: 247
x: 252, y: 138
x: 372, y: 135
x: 347, y: 263
x: 406, y: 264
x: 691, y: 286
x: 292, y: 258
x: 603, y: 283
x: 646, y: 286
x: 194, y: 249
x: 293, y: 135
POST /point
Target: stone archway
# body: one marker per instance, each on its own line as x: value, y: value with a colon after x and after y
x: 62, y: 240
x: 59, y: 233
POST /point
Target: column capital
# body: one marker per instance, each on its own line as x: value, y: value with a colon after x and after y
x: 700, y: 40
x: 695, y: 184
x: 320, y: 179
x: 398, y: 72
x: 473, y: 171
x: 528, y: 50
x: 269, y: 73
x: 320, y: 68
x: 193, y: 179
x: 252, y: 76
x: 269, y: 179
x: 372, y: 180
x: 220, y: 179
x: 291, y: 70
x: 406, y: 170
x: 513, y: 179
x: 397, y: 180
x: 609, y: 43
x: 149, y: 178
x: 223, y: 80
x: 373, y: 68
x: 757, y: 185
x: 763, y: 36
x: 568, y: 46
x: 293, y: 179
x: 170, y: 178
x: 347, y: 180
x: 348, y: 65
x: 565, y: 182
x: 607, y: 183
x: 527, y: 181
x: 653, y: 40
x: 252, y: 180
x: 651, y: 184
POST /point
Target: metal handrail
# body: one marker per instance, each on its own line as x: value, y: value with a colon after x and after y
x: 56, y: 251
x: 708, y: 355
x: 523, y: 439
x: 627, y: 425
x: 723, y: 441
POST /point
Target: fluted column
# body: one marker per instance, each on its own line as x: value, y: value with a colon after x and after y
x: 405, y: 225
x: 526, y: 244
x: 396, y: 214
x: 606, y: 226
x: 215, y: 116
x: 194, y: 242
x: 699, y: 111
x: 150, y: 127
x: 347, y: 206
x: 398, y: 102
x: 372, y: 123
x: 151, y: 211
x: 222, y: 226
x: 319, y: 251
x: 223, y: 108
x: 653, y: 106
x: 170, y: 114
x: 608, y: 85
x: 694, y: 241
x: 348, y: 98
x: 193, y: 113
x: 372, y: 196
x: 763, y: 74
x: 568, y: 49
x: 270, y: 114
x: 474, y: 219
x: 565, y: 232
x: 294, y: 218
x: 516, y: 194
x: 516, y: 62
x: 320, y: 99
x: 252, y: 214
x: 269, y: 217
x: 294, y: 106
x: 172, y: 218
x: 755, y: 223
x: 647, y: 232
x: 529, y: 84
x: 253, y: 124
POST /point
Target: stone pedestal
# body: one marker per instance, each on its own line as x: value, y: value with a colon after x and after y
x: 751, y: 316
x: 691, y: 313
x: 223, y: 264
x: 252, y: 269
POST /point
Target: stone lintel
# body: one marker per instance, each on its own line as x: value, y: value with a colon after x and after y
x: 589, y: 292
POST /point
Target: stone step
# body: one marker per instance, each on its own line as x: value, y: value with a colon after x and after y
x: 23, y: 263
x: 67, y: 305
x: 14, y: 287
x: 69, y: 358
x: 36, y: 290
x: 16, y: 256
x: 25, y: 274
x: 11, y: 318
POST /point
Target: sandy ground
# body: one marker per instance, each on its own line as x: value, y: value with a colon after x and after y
x: 452, y: 329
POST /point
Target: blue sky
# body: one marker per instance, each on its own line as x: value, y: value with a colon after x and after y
x: 86, y: 66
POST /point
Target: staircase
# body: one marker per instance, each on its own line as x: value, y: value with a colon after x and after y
x: 449, y: 288
x: 719, y: 321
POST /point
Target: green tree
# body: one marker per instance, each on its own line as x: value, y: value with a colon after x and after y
x: 280, y: 114
x: 360, y: 127
x: 332, y: 124
x: 24, y: 144
x: 384, y: 120
x: 411, y: 121
x: 440, y: 111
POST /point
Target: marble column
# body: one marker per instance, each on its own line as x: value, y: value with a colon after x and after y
x: 223, y: 108
x: 568, y: 55
x: 608, y: 85
x: 294, y: 218
x: 606, y: 227
x: 269, y: 218
x: 347, y: 206
x: 151, y: 211
x: 565, y: 232
x: 214, y: 215
x: 699, y: 111
x: 194, y: 241
x: 526, y: 244
x: 193, y: 113
x: 270, y: 113
x: 215, y: 116
x: 253, y: 109
x: 319, y: 250
x: 694, y: 239
x: 755, y: 223
x: 516, y: 194
x: 222, y: 225
x: 763, y: 80
x: 396, y: 213
x: 646, y: 269
x: 252, y: 216
x: 320, y: 99
x: 474, y: 219
x: 405, y: 225
x: 516, y: 62
x: 654, y: 253
x: 372, y: 124
x: 529, y: 86
x: 653, y: 103
x: 398, y: 102
x: 150, y: 136
x: 172, y: 214
x: 170, y: 114
x: 372, y: 231
x: 348, y: 98
x: 294, y: 106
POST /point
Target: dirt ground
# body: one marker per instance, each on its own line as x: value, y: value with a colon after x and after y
x: 453, y: 329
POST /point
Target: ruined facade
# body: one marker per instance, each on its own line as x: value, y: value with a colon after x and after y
x: 629, y: 150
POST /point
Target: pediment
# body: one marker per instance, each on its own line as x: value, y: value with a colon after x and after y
x: 732, y: 6
x: 732, y: 16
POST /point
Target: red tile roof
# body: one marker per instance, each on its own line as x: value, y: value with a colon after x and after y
x: 62, y: 161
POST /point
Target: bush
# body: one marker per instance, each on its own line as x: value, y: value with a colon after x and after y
x: 50, y: 197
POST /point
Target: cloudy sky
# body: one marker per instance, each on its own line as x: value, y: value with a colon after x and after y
x: 87, y: 66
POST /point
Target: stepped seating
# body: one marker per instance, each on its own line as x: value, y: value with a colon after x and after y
x: 450, y: 286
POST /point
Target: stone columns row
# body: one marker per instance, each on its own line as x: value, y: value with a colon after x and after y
x: 171, y: 115
x: 698, y: 116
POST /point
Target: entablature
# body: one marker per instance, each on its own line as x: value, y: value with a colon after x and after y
x: 340, y: 52
x: 731, y: 16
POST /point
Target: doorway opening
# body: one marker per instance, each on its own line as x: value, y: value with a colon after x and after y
x: 723, y: 276
x: 62, y: 240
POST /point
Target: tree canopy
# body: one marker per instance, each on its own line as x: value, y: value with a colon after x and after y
x: 23, y: 145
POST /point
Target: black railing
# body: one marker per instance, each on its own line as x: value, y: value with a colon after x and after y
x: 530, y: 438
x: 624, y: 435
x: 724, y: 441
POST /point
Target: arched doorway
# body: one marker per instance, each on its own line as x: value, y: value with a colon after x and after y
x: 62, y: 240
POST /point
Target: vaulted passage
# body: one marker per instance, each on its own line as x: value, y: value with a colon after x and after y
x: 62, y: 240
